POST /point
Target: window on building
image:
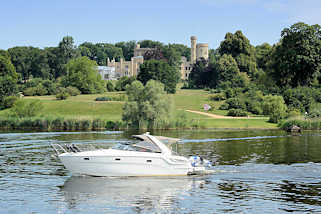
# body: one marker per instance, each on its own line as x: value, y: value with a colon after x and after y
x: 106, y: 77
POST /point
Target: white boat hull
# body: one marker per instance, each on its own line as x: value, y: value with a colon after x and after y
x: 121, y: 163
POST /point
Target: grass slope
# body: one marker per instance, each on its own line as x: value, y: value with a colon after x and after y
x: 85, y: 107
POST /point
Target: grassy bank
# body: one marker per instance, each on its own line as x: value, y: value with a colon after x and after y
x: 303, y: 123
x: 75, y: 112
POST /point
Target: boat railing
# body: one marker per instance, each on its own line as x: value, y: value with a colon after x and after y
x: 67, y: 148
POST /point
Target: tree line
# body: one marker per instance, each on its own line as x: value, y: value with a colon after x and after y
x: 278, y: 80
x: 245, y: 76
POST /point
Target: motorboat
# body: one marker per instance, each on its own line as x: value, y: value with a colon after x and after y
x: 147, y: 155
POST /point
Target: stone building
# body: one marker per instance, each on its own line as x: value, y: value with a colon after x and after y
x: 126, y: 68
x: 198, y: 51
x: 131, y: 68
x: 107, y: 73
x: 138, y: 51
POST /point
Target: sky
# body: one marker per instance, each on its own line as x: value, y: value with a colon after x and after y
x: 43, y: 23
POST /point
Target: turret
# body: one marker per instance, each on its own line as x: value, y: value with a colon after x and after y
x: 193, y: 49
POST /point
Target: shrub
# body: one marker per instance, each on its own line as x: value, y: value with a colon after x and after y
x: 224, y: 106
x: 236, y: 103
x: 254, y: 107
x: 306, y: 124
x: 50, y: 86
x: 110, y: 86
x: 73, y: 91
x: 315, y: 110
x: 110, y: 125
x: 121, y: 97
x: 237, y: 113
x: 23, y: 108
x: 85, y: 125
x: 299, y: 98
x: 294, y: 113
x: 62, y: 95
x: 32, y: 91
x: 181, y: 120
x: 57, y: 124
x: 41, y: 90
x: 103, y: 99
x: 69, y: 124
x: 98, y: 124
x: 9, y: 101
x: 274, y: 107
x: 218, y: 97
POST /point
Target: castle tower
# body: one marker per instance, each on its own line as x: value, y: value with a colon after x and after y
x: 193, y: 49
x: 202, y: 51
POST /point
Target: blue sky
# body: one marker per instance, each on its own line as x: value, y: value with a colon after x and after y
x: 43, y: 23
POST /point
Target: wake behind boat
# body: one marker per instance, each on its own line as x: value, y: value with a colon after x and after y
x: 147, y: 156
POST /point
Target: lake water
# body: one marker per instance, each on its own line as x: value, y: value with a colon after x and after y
x: 255, y: 172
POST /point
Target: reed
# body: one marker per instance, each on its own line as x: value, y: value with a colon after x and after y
x: 303, y: 123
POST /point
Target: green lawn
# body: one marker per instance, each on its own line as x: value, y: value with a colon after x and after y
x: 85, y: 107
x: 192, y: 99
x: 81, y: 107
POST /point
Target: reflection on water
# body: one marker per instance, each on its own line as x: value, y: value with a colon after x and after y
x: 255, y: 172
x: 141, y: 194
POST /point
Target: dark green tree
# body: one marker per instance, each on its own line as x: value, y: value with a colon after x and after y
x: 161, y: 71
x: 199, y: 76
x: 150, y: 44
x: 235, y: 44
x: 228, y: 73
x: 4, y: 54
x: 8, y: 79
x: 296, y: 60
x: 100, y: 52
x: 262, y: 53
x: 241, y: 50
x: 127, y: 49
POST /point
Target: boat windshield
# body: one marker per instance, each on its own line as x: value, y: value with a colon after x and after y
x: 138, y: 146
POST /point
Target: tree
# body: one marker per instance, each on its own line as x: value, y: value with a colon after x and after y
x: 30, y: 62
x: 262, y: 53
x: 100, y: 52
x: 150, y: 44
x: 161, y: 71
x: 235, y: 44
x: 82, y: 74
x: 241, y: 50
x: 198, y: 78
x: 229, y: 75
x: 123, y: 82
x: 8, y: 79
x: 65, y: 51
x: 147, y: 107
x: 296, y: 60
x: 127, y: 49
x: 274, y: 107
x: 4, y: 54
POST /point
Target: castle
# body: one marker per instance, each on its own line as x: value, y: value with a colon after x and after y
x: 198, y: 51
x: 131, y: 68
